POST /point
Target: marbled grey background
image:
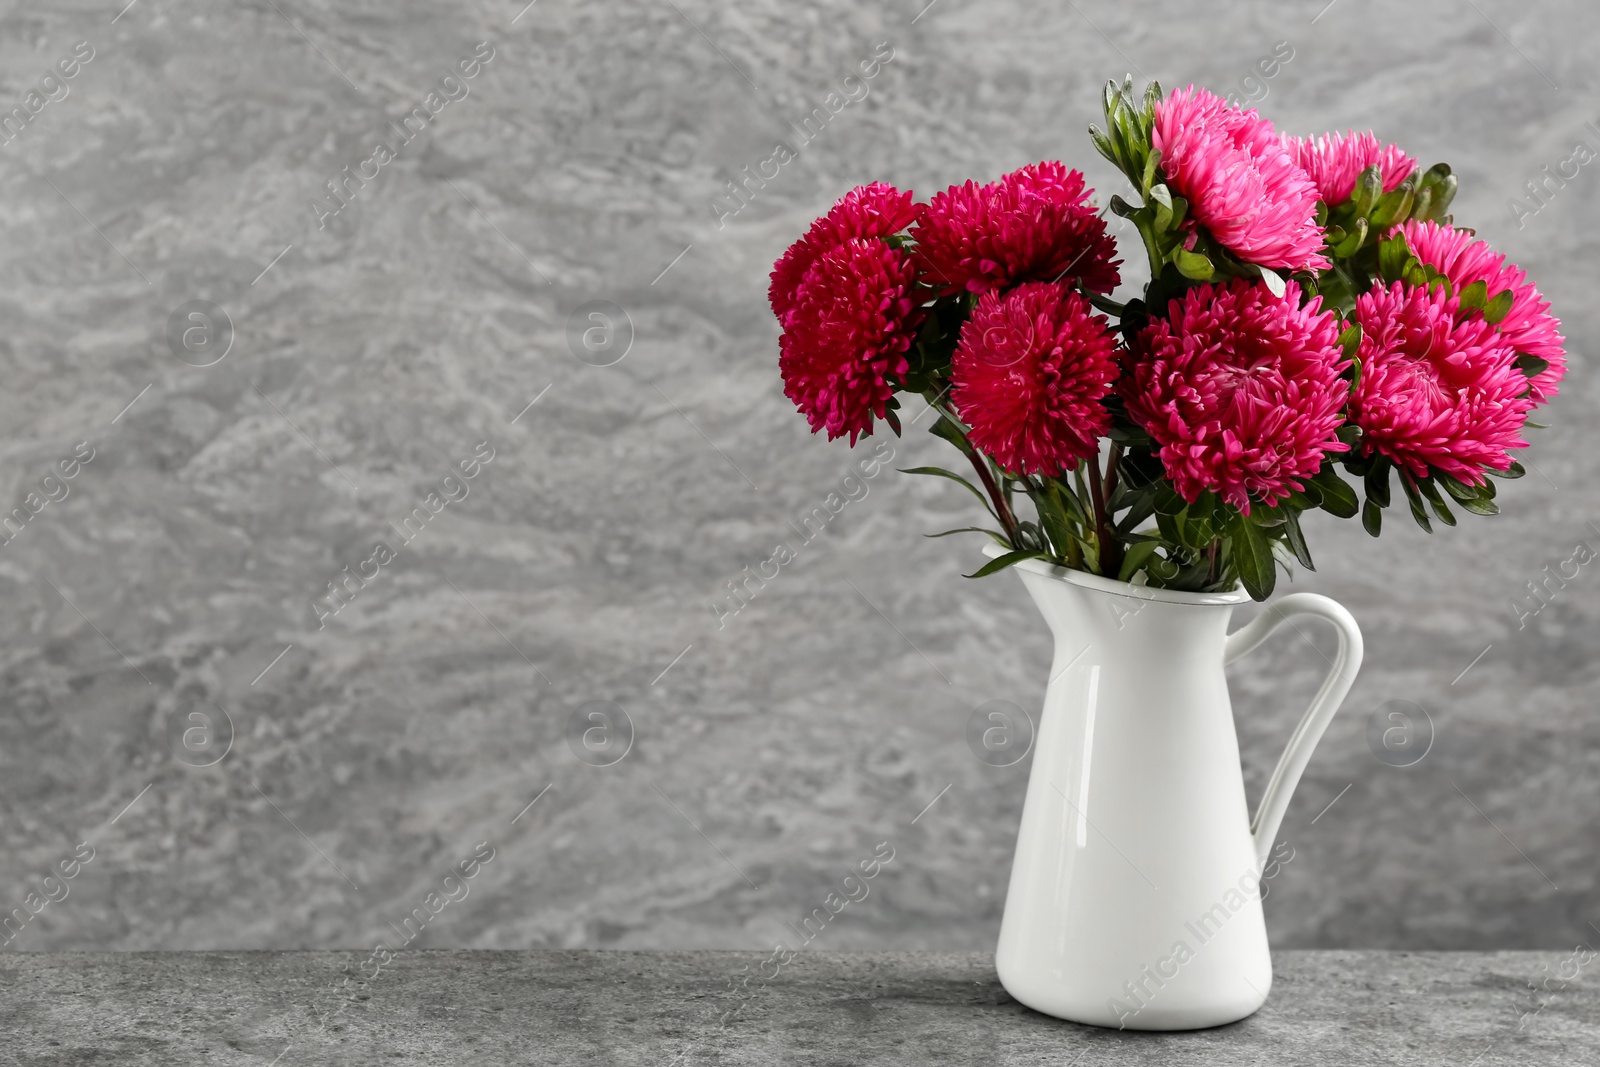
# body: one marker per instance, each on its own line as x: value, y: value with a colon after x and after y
x: 774, y: 753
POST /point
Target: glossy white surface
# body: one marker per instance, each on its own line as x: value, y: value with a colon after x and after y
x: 1134, y: 898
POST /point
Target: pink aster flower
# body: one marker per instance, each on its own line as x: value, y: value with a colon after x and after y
x: 1029, y: 376
x: 849, y: 331
x: 1335, y: 161
x: 876, y: 210
x: 1528, y: 327
x: 1240, y: 389
x: 1035, y: 224
x: 1435, y: 392
x: 1239, y: 180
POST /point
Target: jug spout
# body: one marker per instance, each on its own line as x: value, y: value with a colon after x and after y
x: 1084, y: 609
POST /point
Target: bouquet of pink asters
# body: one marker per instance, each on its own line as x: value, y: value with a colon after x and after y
x: 1311, y: 312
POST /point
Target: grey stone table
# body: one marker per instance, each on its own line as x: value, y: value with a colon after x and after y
x: 685, y: 1008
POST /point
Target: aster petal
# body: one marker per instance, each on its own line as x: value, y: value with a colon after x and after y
x: 1239, y: 179
x: 1528, y: 327
x: 1241, y: 391
x: 1035, y: 223
x: 1030, y: 374
x: 1437, y: 391
x: 1334, y: 161
x: 848, y: 334
x: 874, y: 210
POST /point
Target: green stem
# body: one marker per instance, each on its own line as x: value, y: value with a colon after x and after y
x: 1008, y: 520
x: 1152, y: 248
x: 1109, y: 550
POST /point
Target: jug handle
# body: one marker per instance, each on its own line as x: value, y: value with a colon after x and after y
x: 1345, y: 663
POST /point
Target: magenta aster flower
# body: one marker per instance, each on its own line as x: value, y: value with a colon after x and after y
x: 1528, y: 327
x: 1035, y: 224
x: 1029, y: 376
x: 1241, y: 390
x: 850, y: 330
x: 875, y: 210
x: 1435, y: 392
x: 1335, y: 161
x: 1239, y: 180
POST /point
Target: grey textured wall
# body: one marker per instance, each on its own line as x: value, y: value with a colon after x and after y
x: 371, y: 354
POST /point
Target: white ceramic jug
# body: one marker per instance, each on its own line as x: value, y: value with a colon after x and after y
x: 1135, y: 895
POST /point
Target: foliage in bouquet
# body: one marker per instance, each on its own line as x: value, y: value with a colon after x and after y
x: 1311, y: 313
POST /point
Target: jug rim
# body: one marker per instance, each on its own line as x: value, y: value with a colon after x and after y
x: 1124, y: 589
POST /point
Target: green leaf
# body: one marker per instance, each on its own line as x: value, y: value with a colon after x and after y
x: 1369, y: 186
x: 1457, y: 489
x: 1000, y: 563
x: 1152, y: 96
x: 1516, y: 470
x: 940, y: 472
x: 1180, y: 208
x: 1351, y: 243
x: 1377, y: 483
x: 1274, y: 282
x: 1372, y: 517
x: 1498, y: 308
x: 1267, y: 518
x: 1392, y: 255
x: 1150, y: 164
x: 1171, y: 532
x: 1476, y: 499
x: 1474, y: 296
x: 1391, y: 208
x: 1053, y: 519
x: 1162, y: 199
x: 1121, y: 207
x: 1167, y: 501
x: 1338, y: 498
x: 1129, y: 436
x: 946, y: 429
x: 1031, y: 538
x: 1443, y: 193
x: 1142, y: 507
x: 1350, y: 340
x: 1103, y: 144
x: 1252, y: 558
x: 1440, y: 509
x: 1532, y: 366
x: 999, y: 538
x: 1296, y: 538
x: 1137, y: 555
x: 1161, y: 569
x: 1192, y: 265
x: 1414, y: 499
x: 1070, y: 503
x: 1422, y: 205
